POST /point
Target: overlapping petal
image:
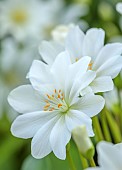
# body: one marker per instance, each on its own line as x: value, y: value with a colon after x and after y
x: 49, y: 51
x: 59, y: 138
x: 111, y: 67
x: 26, y: 125
x: 76, y: 118
x: 93, y: 42
x: 90, y: 104
x: 106, y: 53
x: 40, y: 146
x: 74, y: 43
x: 25, y: 99
x: 102, y: 84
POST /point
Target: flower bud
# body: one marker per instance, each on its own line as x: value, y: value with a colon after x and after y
x: 83, y: 142
x: 60, y: 32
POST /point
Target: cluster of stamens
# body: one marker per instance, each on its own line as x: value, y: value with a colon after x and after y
x: 55, y: 101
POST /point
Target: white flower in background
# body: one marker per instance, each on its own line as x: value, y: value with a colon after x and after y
x: 51, y: 107
x: 35, y: 18
x: 109, y: 156
x: 15, y: 60
x: 60, y: 32
x: 20, y: 17
x: 15, y: 56
x: 112, y: 99
x: 119, y: 7
x: 106, y: 60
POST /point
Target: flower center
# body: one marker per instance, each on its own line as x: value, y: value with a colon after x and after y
x: 56, y: 102
x: 19, y: 16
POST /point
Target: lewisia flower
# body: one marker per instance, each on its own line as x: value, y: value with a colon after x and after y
x: 109, y: 156
x: 27, y: 18
x: 19, y: 17
x: 13, y: 68
x: 106, y: 60
x: 35, y: 18
x: 119, y: 7
x: 51, y: 107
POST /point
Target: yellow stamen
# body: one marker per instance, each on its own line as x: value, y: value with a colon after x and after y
x: 90, y: 66
x: 59, y: 96
x: 59, y: 105
x: 47, y: 105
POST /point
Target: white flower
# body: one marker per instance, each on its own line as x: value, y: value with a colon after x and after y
x: 106, y: 60
x: 60, y: 32
x: 15, y: 60
x: 111, y: 99
x: 35, y: 18
x: 51, y: 107
x: 119, y: 7
x: 19, y: 17
x: 109, y: 156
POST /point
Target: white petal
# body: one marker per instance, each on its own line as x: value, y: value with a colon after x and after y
x: 111, y: 67
x: 59, y: 138
x: 93, y: 42
x: 74, y: 43
x: 76, y: 118
x: 90, y: 104
x: 49, y: 51
x: 109, y: 156
x: 39, y: 74
x: 76, y: 70
x: 102, y: 84
x: 40, y: 146
x: 81, y: 83
x: 119, y: 147
x: 25, y: 126
x: 60, y: 67
x: 24, y: 99
x: 119, y: 7
x: 106, y: 53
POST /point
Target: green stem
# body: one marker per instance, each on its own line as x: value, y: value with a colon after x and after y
x: 97, y: 128
x: 114, y: 128
x: 84, y: 162
x: 70, y: 160
x: 105, y: 127
x: 92, y: 162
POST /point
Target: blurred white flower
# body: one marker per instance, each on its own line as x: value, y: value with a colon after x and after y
x: 109, y: 156
x: 60, y: 32
x: 35, y: 18
x: 119, y: 7
x: 15, y: 61
x: 105, y: 60
x: 51, y: 107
